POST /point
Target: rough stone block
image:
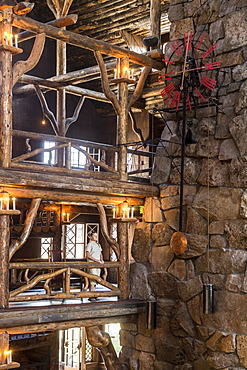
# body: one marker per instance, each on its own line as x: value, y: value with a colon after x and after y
x: 193, y: 348
x: 190, y: 288
x: 221, y: 342
x: 163, y: 285
x: 230, y: 59
x: 168, y: 190
x: 141, y: 242
x: 161, y: 258
x: 235, y: 25
x: 222, y: 261
x: 217, y: 227
x: 236, y: 232
x: 207, y: 147
x: 223, y: 203
x: 146, y: 361
x: 197, y: 245
x: 161, y: 234
x: 238, y: 172
x: 172, y: 218
x: 234, y: 282
x: 204, y: 333
x: 170, y: 202
x: 181, y: 322
x: 214, y: 172
x: 164, y: 306
x: 180, y: 27
x: 243, y: 205
x: 144, y: 343
x: 218, y: 360
x: 168, y: 350
x: 239, y: 73
x: 152, y: 210
x: 230, y: 313
x: 238, y: 128
x: 242, y: 349
x: 178, y: 269
x: 127, y: 339
x: 217, y: 241
x: 228, y: 150
x: 176, y: 12
x: 139, y: 281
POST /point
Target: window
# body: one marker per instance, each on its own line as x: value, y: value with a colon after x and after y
x: 78, y: 159
x: 49, y: 157
x: 46, y: 247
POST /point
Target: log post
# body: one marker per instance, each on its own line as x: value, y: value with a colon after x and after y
x: 4, y: 346
x: 102, y: 341
x: 54, y: 351
x: 5, y: 87
x: 122, y: 120
x: 155, y: 16
x: 123, y: 241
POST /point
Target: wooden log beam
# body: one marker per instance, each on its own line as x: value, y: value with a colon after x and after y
x: 102, y: 341
x: 46, y: 317
x: 80, y: 189
x: 5, y: 92
x: 59, y: 23
x: 51, y: 85
x: 155, y: 17
x: 84, y: 42
x: 28, y: 224
x: 22, y: 66
x: 42, y: 327
x: 104, y: 229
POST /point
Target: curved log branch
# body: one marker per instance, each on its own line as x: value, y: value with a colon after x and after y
x: 71, y: 120
x: 98, y: 163
x: 94, y: 277
x: 28, y: 224
x: 35, y: 281
x: 139, y: 87
x: 21, y: 66
x: 47, y: 112
x: 37, y: 151
x: 105, y: 83
x: 102, y: 341
x: 135, y: 129
x: 104, y: 229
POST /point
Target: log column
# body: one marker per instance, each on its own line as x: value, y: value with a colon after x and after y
x: 5, y: 88
x: 5, y: 141
x: 4, y: 346
x: 124, y: 269
x: 155, y: 16
x: 122, y: 120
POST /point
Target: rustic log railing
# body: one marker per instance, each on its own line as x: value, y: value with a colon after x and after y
x: 42, y: 274
x: 105, y: 166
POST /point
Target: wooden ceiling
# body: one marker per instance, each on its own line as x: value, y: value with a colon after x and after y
x: 121, y: 22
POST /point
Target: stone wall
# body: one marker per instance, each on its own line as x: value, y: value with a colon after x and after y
x: 215, y: 212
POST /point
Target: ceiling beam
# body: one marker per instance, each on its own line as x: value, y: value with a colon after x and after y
x: 84, y: 41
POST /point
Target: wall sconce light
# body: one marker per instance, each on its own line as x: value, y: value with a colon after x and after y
x: 125, y: 74
x: 208, y: 298
x: 8, y: 356
x: 5, y: 204
x: 151, y: 314
x: 65, y: 218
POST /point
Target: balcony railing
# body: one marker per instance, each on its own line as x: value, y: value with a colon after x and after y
x: 56, y: 280
x: 67, y: 155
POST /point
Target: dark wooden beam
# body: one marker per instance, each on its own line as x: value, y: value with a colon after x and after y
x: 50, y: 317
